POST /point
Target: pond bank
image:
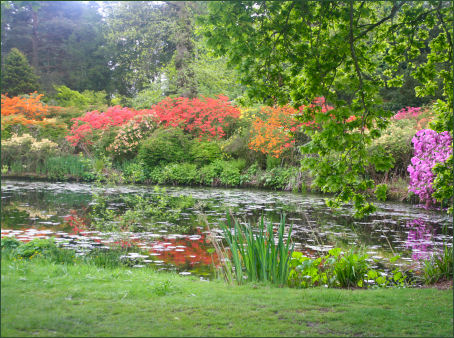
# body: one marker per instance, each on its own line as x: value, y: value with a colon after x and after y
x: 397, y: 188
x: 45, y: 299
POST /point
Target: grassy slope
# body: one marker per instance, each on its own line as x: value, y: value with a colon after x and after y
x: 39, y: 299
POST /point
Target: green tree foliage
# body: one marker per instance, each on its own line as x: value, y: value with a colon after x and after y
x: 139, y: 37
x: 17, y: 75
x: 62, y: 39
x: 293, y: 52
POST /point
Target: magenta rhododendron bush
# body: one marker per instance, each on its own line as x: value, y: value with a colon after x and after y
x: 430, y: 148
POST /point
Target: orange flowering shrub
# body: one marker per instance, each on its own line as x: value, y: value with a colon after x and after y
x: 272, y: 130
x: 28, y: 106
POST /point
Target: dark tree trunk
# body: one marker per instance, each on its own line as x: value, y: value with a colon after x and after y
x: 184, y: 54
x: 35, y: 40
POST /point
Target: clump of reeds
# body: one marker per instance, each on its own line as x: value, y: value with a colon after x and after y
x: 254, y: 257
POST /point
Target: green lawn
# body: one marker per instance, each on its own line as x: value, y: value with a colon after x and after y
x: 42, y: 299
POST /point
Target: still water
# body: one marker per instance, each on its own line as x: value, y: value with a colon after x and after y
x: 42, y: 209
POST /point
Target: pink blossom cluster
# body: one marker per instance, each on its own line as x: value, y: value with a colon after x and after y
x: 84, y: 126
x: 407, y: 112
x: 430, y: 148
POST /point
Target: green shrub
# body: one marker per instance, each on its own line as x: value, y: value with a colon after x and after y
x: 180, y: 173
x: 396, y: 141
x: 272, y: 162
x: 277, y: 178
x: 210, y: 172
x: 148, y: 97
x: 205, y: 152
x: 230, y: 175
x: 133, y: 171
x: 335, y: 269
x: 9, y: 243
x: 164, y: 146
x: 87, y: 100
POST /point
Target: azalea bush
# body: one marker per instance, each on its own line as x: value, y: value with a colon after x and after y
x: 271, y: 130
x: 276, y: 129
x: 430, y: 148
x: 203, y: 118
x: 28, y: 114
x: 130, y: 135
x: 29, y: 106
x: 84, y: 128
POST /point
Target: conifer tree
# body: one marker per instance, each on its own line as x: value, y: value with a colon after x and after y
x: 18, y: 76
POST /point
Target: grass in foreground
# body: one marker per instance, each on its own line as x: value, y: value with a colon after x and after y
x: 45, y: 299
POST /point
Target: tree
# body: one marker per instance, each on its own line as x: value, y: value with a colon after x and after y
x: 18, y: 76
x: 184, y: 54
x: 139, y: 43
x: 294, y: 51
x: 63, y: 40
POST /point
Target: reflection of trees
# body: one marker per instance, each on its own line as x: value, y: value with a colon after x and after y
x: 419, y: 239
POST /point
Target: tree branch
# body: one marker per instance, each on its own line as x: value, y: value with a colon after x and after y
x: 372, y: 26
x: 355, y: 59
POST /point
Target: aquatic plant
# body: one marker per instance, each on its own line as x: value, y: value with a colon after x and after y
x: 439, y: 267
x: 256, y: 257
x: 342, y: 269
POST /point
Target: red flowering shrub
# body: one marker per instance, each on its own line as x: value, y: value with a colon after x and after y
x: 205, y: 117
x: 83, y: 127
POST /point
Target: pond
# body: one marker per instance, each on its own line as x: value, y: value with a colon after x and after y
x: 176, y: 238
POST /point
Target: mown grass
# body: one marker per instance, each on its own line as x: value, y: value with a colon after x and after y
x: 45, y: 299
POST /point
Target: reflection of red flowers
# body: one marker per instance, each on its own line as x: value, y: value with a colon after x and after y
x: 78, y: 224
x: 194, y: 252
x: 124, y: 243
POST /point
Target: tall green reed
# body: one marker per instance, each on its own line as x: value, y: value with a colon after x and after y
x: 439, y: 267
x: 257, y: 257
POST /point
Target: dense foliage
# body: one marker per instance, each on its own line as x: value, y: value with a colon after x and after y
x: 292, y: 52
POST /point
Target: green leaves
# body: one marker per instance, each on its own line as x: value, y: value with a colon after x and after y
x: 381, y: 191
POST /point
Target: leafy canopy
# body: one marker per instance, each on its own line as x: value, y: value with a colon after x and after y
x: 293, y: 52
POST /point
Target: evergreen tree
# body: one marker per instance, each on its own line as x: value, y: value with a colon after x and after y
x: 18, y: 76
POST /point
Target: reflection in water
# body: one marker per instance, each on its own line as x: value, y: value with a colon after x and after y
x: 419, y: 239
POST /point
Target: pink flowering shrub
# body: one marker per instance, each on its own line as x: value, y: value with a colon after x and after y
x: 407, y: 112
x: 131, y: 134
x: 430, y: 148
x: 83, y: 127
